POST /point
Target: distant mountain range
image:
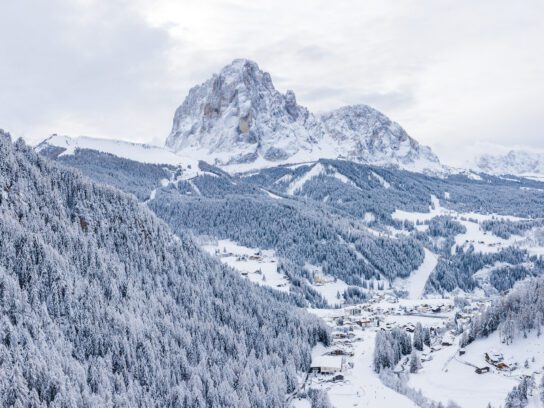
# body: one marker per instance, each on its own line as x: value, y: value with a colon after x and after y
x: 516, y: 162
x: 237, y: 120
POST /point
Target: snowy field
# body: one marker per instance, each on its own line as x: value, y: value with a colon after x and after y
x: 452, y: 377
x: 259, y: 266
x: 133, y: 151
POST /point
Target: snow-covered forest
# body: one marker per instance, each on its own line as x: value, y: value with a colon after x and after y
x: 102, y: 306
x: 514, y: 315
x: 177, y: 232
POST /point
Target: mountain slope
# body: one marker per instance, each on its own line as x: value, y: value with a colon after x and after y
x: 57, y: 145
x: 102, y: 306
x: 238, y: 117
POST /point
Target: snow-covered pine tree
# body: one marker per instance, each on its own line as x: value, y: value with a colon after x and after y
x: 415, y: 364
x: 418, y: 337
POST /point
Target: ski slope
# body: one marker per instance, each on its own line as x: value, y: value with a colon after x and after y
x: 415, y: 283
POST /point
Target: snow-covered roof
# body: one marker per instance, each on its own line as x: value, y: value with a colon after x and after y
x: 328, y: 361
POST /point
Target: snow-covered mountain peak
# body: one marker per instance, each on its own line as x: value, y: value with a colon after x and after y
x: 367, y: 135
x: 237, y: 118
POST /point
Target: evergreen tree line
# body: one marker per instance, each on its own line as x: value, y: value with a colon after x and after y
x: 389, y: 347
x: 519, y: 396
x: 505, y: 228
x: 127, y: 175
x: 457, y: 270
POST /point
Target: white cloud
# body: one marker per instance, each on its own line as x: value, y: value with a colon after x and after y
x: 451, y: 72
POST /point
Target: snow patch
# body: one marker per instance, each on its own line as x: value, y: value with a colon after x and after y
x: 298, y: 183
x: 381, y: 180
x: 317, y: 170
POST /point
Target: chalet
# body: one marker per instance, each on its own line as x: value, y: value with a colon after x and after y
x: 410, y: 328
x: 493, y: 358
x: 244, y: 273
x: 353, y: 311
x: 340, y: 352
x: 327, y: 365
x: 502, y: 366
x: 338, y: 377
x: 482, y: 370
x: 426, y: 357
x: 364, y: 322
x: 462, y: 351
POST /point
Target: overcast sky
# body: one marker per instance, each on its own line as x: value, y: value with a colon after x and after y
x: 459, y: 76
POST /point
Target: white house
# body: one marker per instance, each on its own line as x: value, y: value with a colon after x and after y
x: 327, y: 364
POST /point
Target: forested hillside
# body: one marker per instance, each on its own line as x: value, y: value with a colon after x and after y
x: 301, y: 231
x: 102, y: 305
x: 339, y: 216
x: 514, y: 315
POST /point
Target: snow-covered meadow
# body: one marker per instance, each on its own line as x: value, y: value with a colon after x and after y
x: 259, y: 266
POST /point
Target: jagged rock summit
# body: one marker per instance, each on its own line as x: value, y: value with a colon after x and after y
x: 238, y: 117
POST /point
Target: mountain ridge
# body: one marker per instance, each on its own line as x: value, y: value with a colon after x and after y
x: 238, y: 117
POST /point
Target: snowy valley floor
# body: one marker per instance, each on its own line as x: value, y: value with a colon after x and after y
x: 444, y: 376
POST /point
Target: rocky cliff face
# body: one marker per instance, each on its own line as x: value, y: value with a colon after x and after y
x: 238, y: 116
